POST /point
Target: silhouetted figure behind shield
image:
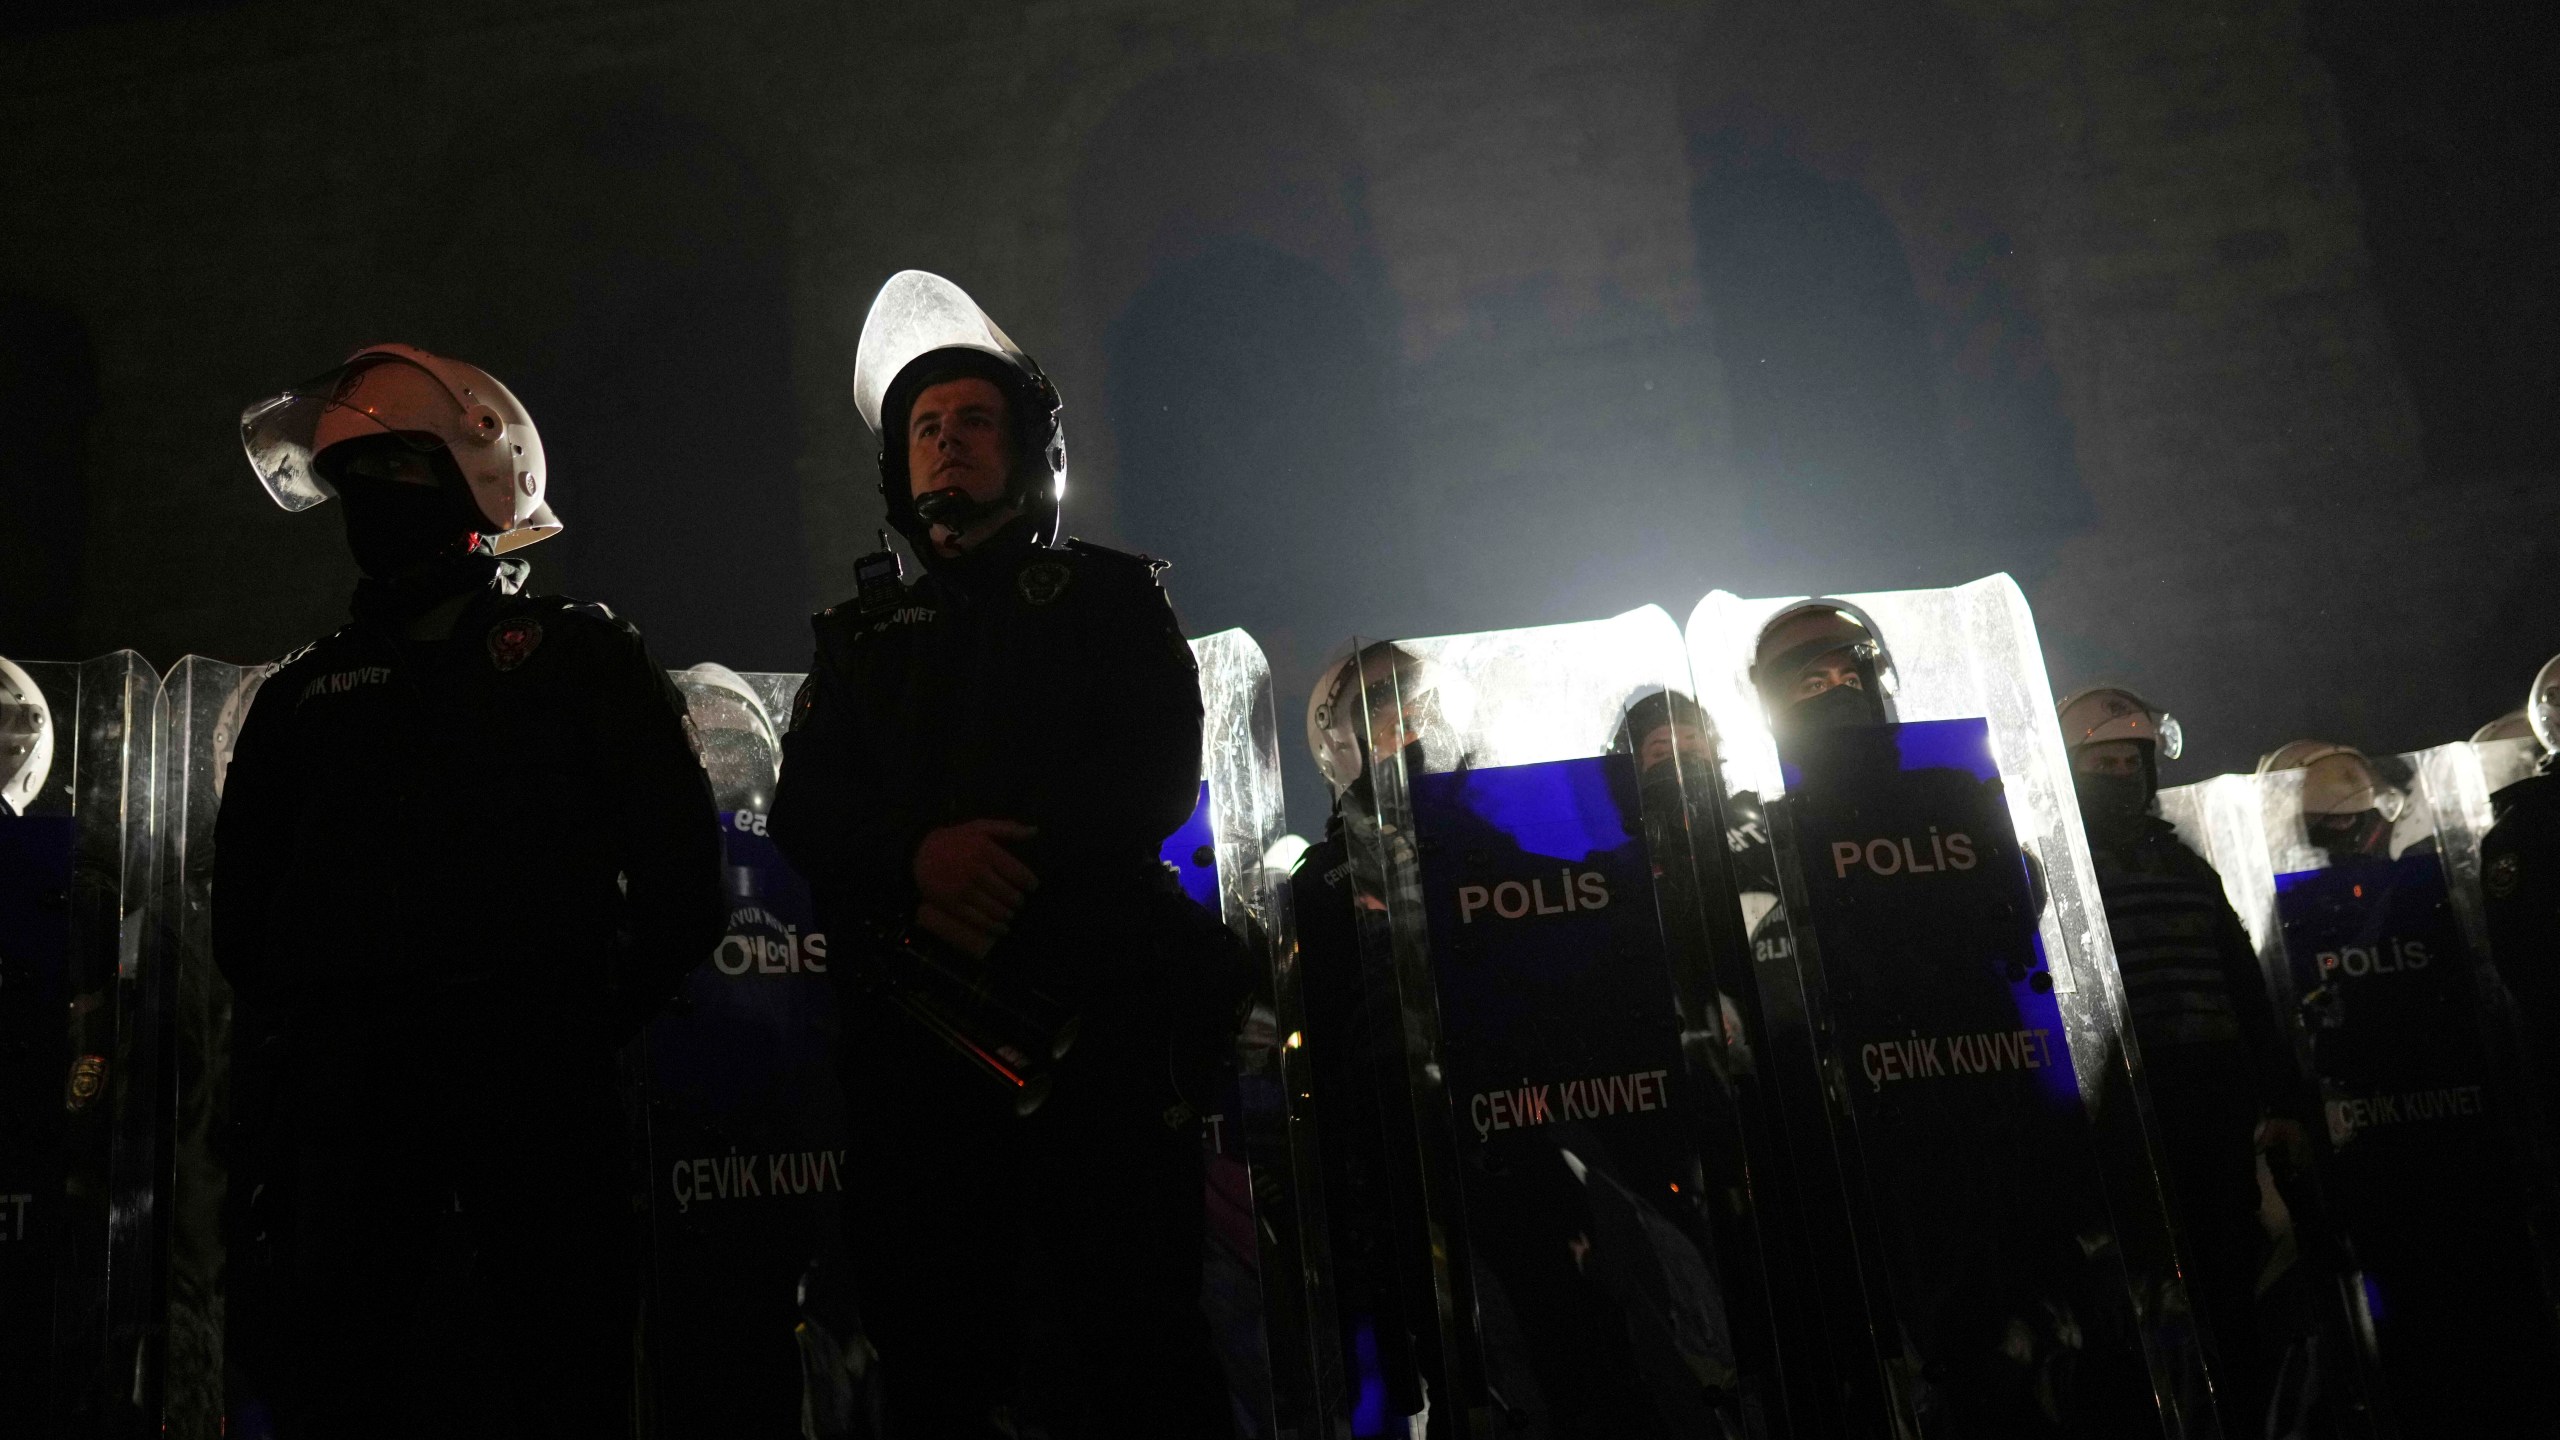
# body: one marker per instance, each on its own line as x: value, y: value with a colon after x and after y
x: 1967, y: 1149
x: 2217, y: 1064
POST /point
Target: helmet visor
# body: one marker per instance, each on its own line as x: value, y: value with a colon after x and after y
x: 2542, y: 709
x: 915, y: 314
x: 740, y: 747
x: 286, y: 434
x: 2173, y: 736
x: 1811, y: 631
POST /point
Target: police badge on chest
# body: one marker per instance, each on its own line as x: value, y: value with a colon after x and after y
x: 1043, y: 581
x: 512, y: 642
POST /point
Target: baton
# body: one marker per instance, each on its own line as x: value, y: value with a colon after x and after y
x: 1004, y: 1027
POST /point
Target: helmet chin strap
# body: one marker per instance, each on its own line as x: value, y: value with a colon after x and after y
x: 953, y: 508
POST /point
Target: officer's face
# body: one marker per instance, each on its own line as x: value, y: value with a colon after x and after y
x: 2358, y: 834
x: 1664, y: 741
x: 957, y: 437
x: 1395, y: 721
x: 1827, y: 672
x: 2109, y: 757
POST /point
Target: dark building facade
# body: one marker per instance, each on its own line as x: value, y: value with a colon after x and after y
x: 1396, y: 317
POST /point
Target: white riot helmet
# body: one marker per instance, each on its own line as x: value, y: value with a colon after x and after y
x: 2514, y: 725
x: 2294, y: 754
x: 2337, y: 779
x: 923, y: 329
x: 2542, y: 707
x: 2107, y: 712
x: 427, y: 403
x: 26, y: 739
x: 1808, y: 631
x: 1392, y: 683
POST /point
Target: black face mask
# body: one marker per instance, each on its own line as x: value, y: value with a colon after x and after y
x: 1663, y: 796
x: 1841, y: 707
x: 393, y: 527
x: 1652, y: 806
x: 2363, y: 834
x: 2112, y: 802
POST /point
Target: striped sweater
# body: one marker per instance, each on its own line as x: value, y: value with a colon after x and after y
x: 2191, y: 977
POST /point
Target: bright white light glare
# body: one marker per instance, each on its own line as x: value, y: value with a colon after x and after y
x: 1297, y: 1039
x: 1966, y: 652
x: 1720, y: 657
x: 1554, y: 692
x: 1286, y: 852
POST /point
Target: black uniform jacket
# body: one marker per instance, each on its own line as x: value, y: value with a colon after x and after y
x: 516, y: 808
x: 2520, y: 875
x: 1051, y: 686
x: 2520, y: 881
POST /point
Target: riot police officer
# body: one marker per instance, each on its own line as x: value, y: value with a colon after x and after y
x: 465, y: 848
x: 1817, y: 666
x: 1355, y: 1032
x: 2348, y: 807
x: 2220, y: 1072
x: 1669, y: 796
x: 2441, y: 1215
x: 2005, y: 1320
x: 1668, y: 799
x: 2520, y: 884
x: 983, y: 763
x: 1578, y: 1260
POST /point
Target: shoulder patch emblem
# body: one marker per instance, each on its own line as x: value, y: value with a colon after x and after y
x: 512, y: 642
x: 2502, y: 874
x: 88, y: 1078
x: 1043, y: 581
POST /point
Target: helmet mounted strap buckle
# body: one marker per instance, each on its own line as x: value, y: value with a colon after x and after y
x: 952, y: 508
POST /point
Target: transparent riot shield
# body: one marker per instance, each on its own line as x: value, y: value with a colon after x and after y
x: 2505, y: 762
x: 1933, y: 956
x: 1266, y: 1264
x: 2430, y: 1195
x: 209, y: 1168
x: 2312, y: 1301
x: 80, y: 1071
x: 1563, y: 1081
x: 743, y: 1115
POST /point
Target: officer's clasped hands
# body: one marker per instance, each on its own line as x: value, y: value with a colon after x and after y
x: 969, y: 885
